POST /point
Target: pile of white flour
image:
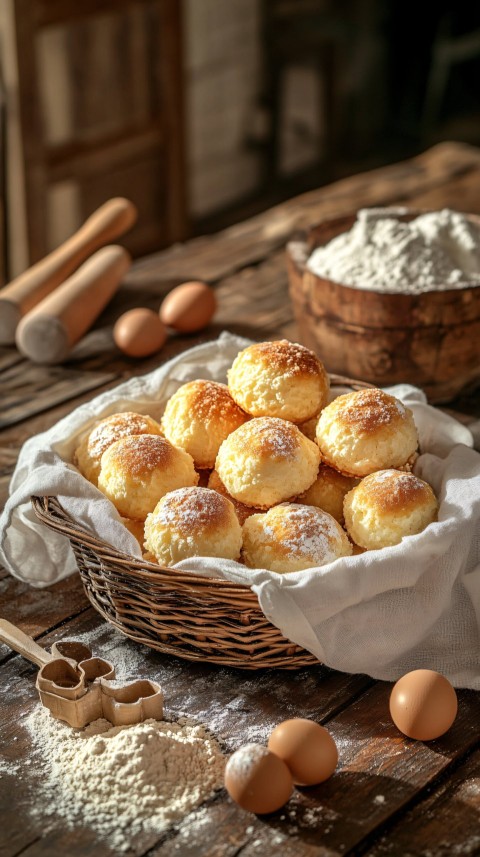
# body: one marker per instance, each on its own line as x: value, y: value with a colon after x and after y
x: 435, y: 251
x: 122, y: 781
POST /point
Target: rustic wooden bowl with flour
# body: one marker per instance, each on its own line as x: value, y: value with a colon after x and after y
x: 430, y: 339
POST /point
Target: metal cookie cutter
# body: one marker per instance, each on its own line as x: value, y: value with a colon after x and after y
x: 78, y: 688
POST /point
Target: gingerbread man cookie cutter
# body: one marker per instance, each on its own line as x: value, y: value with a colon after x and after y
x: 77, y: 687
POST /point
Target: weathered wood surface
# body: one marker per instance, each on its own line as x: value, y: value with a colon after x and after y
x: 390, y: 796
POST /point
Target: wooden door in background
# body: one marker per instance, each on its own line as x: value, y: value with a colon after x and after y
x: 100, y: 114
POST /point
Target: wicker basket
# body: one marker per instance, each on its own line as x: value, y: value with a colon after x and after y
x: 176, y: 612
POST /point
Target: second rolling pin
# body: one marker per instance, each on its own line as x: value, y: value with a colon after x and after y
x: 106, y: 224
x: 47, y: 333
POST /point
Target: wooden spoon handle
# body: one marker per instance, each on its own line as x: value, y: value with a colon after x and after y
x: 23, y: 644
x: 105, y: 225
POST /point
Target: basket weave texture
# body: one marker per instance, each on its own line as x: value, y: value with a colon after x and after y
x: 176, y: 612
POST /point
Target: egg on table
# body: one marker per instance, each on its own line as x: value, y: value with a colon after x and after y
x: 257, y: 779
x: 139, y: 332
x: 189, y: 307
x: 307, y: 749
x: 423, y: 705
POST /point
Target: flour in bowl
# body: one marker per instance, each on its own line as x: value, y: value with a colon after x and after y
x: 436, y: 251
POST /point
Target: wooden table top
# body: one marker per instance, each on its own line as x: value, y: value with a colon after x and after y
x: 389, y: 796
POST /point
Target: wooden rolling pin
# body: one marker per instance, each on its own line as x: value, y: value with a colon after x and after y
x: 47, y: 333
x: 105, y: 225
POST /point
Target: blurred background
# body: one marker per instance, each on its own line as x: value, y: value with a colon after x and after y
x: 204, y: 112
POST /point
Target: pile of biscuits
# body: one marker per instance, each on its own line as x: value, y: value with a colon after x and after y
x: 263, y: 470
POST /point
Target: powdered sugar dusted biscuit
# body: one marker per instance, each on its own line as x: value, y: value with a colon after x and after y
x: 136, y: 471
x: 291, y: 537
x: 89, y: 453
x: 193, y: 522
x: 267, y: 460
x: 386, y: 506
x: 199, y: 416
x: 365, y: 431
x: 279, y: 379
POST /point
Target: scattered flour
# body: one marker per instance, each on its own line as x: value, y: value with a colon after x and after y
x: 435, y: 251
x: 123, y: 781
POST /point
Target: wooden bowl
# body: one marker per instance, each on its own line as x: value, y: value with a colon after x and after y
x: 431, y: 340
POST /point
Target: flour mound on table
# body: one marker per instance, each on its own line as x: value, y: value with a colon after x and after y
x: 123, y: 781
x: 436, y: 251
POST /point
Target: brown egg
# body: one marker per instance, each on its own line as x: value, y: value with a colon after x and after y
x: 423, y: 705
x: 307, y: 749
x: 257, y: 780
x: 139, y: 332
x: 188, y: 307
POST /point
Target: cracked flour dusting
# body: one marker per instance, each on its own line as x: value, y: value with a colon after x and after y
x: 123, y: 781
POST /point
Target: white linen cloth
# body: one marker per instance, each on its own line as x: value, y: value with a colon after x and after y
x: 381, y: 613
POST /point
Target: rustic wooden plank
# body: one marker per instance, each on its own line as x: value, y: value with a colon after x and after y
x: 243, y: 707
x: 37, y: 611
x: 379, y: 774
x: 100, y: 356
x: 446, y: 822
x: 383, y: 770
x: 264, y: 287
x: 9, y: 357
x: 460, y: 194
x: 28, y: 389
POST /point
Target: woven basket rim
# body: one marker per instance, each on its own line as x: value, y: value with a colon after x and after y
x: 199, y: 619
x: 50, y: 511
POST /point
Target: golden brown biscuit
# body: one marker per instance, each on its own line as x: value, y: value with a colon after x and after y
x: 88, y: 454
x: 267, y: 460
x: 291, y: 537
x: 279, y: 379
x: 386, y: 506
x: 193, y: 522
x: 365, y: 431
x: 241, y: 510
x: 198, y: 417
x: 328, y: 492
x: 136, y: 471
